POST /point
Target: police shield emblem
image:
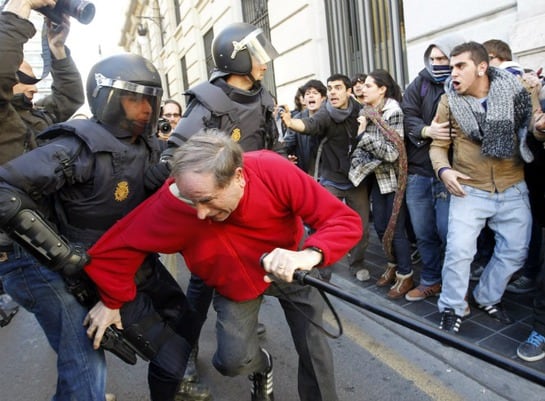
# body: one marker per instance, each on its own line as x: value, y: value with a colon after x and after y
x: 121, y: 191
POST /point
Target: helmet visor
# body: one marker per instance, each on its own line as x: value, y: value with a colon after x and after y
x: 132, y: 107
x: 259, y: 47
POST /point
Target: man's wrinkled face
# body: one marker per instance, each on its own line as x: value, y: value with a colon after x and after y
x: 313, y: 99
x: 28, y: 90
x: 465, y: 73
x: 337, y: 94
x: 200, y: 190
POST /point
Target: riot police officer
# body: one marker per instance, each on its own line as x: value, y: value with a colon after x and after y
x: 233, y: 101
x: 91, y: 172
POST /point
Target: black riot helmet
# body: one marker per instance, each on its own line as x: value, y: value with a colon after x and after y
x: 234, y: 47
x: 117, y: 86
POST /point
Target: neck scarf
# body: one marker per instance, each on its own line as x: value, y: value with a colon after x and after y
x: 339, y: 115
x: 391, y: 135
x: 440, y: 73
x: 506, y: 116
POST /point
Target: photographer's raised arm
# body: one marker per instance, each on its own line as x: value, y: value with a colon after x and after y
x: 67, y: 94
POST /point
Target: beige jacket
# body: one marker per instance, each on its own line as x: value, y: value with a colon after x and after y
x: 487, y: 173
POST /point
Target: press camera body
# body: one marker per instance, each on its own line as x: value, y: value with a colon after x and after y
x: 83, y: 11
x: 163, y: 125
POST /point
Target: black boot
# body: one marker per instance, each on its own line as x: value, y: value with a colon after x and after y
x: 262, y: 382
x: 190, y: 391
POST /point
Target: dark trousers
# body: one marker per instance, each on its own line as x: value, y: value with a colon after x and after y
x: 161, y: 314
x: 239, y: 353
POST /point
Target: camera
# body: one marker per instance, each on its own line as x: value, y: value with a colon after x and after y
x: 163, y: 125
x: 83, y: 11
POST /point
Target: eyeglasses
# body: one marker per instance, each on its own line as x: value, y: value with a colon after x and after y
x: 171, y: 115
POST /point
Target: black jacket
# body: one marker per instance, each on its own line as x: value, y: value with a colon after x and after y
x: 20, y: 121
x: 419, y: 106
x: 341, y: 141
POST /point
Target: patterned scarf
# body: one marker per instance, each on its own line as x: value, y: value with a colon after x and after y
x: 391, y: 135
x: 508, y: 111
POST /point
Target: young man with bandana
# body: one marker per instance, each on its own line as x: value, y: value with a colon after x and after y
x: 426, y: 196
x: 490, y: 111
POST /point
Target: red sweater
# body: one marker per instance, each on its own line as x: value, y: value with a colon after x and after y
x: 278, y: 196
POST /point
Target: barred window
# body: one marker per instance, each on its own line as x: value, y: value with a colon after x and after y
x: 256, y: 12
x: 366, y: 35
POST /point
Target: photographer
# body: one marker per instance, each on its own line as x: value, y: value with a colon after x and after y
x: 20, y: 118
x: 171, y: 112
x: 20, y: 122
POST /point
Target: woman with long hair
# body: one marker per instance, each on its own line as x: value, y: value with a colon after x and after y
x: 380, y: 154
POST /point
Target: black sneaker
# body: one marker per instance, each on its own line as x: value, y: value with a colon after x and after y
x: 533, y: 349
x: 262, y: 382
x: 522, y: 285
x: 6, y: 314
x: 496, y: 312
x: 450, y: 321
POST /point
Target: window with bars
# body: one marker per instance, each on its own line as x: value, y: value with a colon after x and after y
x: 177, y: 15
x: 207, y: 38
x: 185, y: 81
x: 256, y: 12
x: 366, y: 35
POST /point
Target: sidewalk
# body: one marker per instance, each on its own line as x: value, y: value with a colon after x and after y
x: 477, y: 328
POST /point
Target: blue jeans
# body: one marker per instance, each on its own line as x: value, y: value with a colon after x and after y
x: 238, y: 344
x: 428, y: 203
x: 508, y: 215
x: 382, y: 210
x: 81, y: 369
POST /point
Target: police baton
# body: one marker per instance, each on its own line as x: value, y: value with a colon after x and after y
x: 304, y: 278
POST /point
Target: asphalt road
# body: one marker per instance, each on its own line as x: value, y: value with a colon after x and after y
x: 374, y: 360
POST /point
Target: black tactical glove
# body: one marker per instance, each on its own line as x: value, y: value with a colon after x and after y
x: 155, y: 176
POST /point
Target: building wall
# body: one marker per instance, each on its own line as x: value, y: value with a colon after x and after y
x: 516, y: 22
x: 298, y: 31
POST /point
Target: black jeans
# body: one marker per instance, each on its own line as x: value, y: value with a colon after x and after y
x: 161, y: 314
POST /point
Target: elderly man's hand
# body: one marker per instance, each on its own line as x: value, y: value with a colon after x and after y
x: 282, y: 263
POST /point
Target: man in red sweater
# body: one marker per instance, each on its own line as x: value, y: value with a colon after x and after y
x: 222, y: 210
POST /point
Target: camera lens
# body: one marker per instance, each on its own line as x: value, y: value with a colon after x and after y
x: 163, y: 125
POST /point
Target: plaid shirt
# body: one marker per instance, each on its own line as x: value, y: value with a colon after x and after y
x: 375, y: 153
